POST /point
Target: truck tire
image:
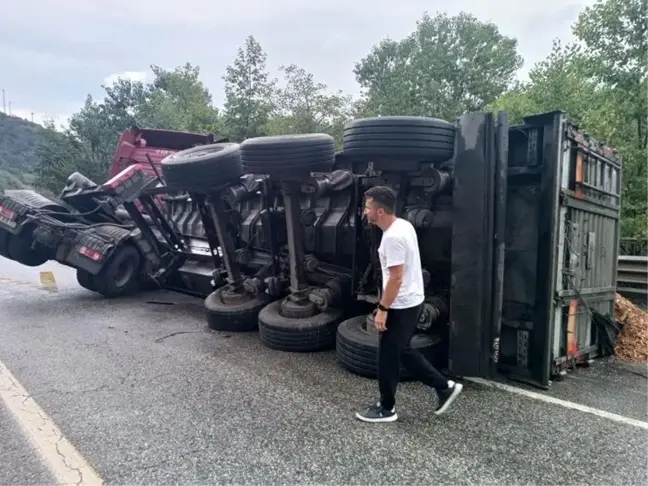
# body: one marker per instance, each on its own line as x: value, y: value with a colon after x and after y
x: 4, y: 243
x: 232, y: 311
x: 357, y: 349
x: 120, y: 275
x: 288, y: 154
x: 86, y: 280
x: 203, y: 169
x: 25, y: 250
x: 399, y: 138
x: 303, y: 334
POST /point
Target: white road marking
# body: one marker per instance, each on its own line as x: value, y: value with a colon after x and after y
x: 563, y: 403
x: 65, y: 463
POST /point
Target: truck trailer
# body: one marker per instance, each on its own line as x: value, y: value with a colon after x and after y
x: 518, y: 227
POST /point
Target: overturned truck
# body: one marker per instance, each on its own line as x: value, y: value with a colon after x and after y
x: 518, y: 228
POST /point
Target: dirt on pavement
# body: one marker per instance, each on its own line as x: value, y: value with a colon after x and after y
x: 632, y: 344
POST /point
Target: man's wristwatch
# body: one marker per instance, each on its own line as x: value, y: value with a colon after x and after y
x: 382, y: 307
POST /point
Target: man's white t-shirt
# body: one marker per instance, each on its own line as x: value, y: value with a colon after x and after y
x: 399, y: 246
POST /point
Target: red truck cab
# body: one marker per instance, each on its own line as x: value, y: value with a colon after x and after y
x: 147, y: 147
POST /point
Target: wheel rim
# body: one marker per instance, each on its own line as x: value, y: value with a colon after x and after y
x: 368, y: 325
x: 297, y: 310
x: 235, y: 296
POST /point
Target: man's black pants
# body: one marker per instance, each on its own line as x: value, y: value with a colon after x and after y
x: 394, y: 348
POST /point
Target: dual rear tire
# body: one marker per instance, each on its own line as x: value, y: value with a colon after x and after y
x: 23, y: 248
x: 121, y: 275
x: 207, y: 168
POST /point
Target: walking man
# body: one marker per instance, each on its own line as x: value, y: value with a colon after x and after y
x: 399, y: 309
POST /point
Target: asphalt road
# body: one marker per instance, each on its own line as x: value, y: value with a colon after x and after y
x: 148, y: 394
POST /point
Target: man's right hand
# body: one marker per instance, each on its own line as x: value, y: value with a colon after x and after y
x: 380, y: 320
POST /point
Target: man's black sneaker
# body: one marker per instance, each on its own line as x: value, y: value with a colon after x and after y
x: 447, y: 396
x: 377, y: 413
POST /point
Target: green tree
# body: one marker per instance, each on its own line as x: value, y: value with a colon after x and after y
x: 86, y: 146
x: 248, y: 93
x: 447, y: 66
x: 305, y: 106
x: 178, y: 100
x: 58, y: 153
x: 601, y: 83
x: 615, y: 35
x: 120, y: 101
x: 556, y: 83
x: 174, y: 100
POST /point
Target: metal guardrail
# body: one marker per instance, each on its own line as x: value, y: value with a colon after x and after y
x: 632, y: 276
x: 633, y: 246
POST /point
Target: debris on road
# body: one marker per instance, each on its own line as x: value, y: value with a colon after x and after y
x: 632, y: 344
x: 160, y: 302
x: 159, y: 340
x: 48, y: 281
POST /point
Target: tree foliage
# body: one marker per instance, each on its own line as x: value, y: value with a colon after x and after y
x: 248, y: 93
x: 447, y: 66
x: 173, y: 100
x: 556, y: 83
x: 178, y: 100
x: 614, y: 33
x: 304, y: 105
x: 600, y: 82
x: 86, y: 146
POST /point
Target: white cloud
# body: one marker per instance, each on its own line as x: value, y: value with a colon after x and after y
x: 128, y: 75
x: 83, y: 41
x: 207, y: 13
x: 42, y: 60
x: 198, y: 13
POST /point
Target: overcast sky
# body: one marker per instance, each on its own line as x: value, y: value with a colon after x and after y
x: 54, y: 52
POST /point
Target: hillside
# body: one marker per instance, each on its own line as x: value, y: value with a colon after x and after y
x: 18, y: 142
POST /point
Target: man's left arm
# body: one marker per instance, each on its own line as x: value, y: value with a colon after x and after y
x: 395, y: 253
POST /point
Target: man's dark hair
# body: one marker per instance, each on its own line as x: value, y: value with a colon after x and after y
x: 385, y: 197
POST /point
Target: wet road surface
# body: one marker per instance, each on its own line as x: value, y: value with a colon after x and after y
x: 147, y: 394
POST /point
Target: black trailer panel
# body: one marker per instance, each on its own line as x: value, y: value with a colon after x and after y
x: 477, y: 251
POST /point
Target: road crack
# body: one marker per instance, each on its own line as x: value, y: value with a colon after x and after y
x: 65, y: 461
x: 159, y: 340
